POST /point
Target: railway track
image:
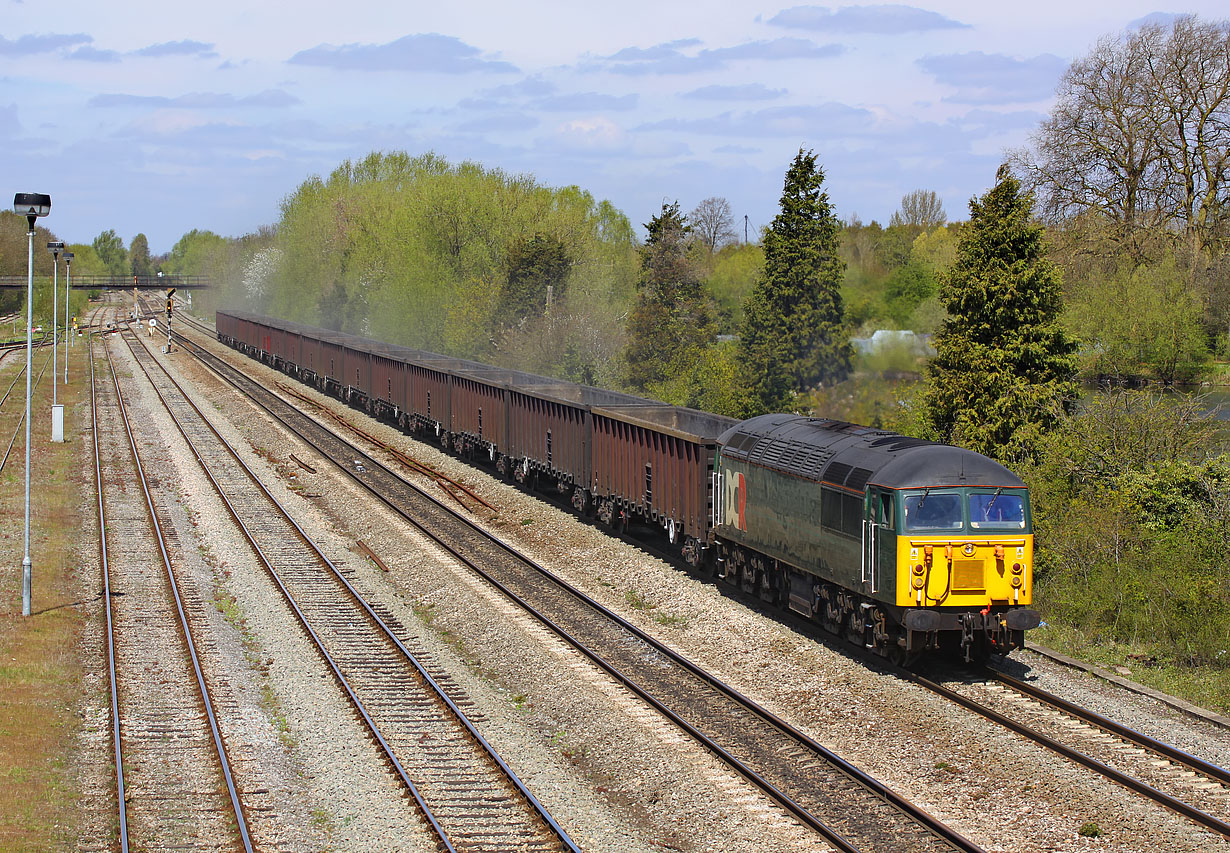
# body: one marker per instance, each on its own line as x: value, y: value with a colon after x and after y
x: 465, y: 791
x: 848, y: 808
x: 1168, y: 776
x: 174, y: 786
x: 1173, y: 778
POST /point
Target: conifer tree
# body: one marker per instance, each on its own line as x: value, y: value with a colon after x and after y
x: 1003, y: 370
x: 792, y: 335
x: 672, y: 320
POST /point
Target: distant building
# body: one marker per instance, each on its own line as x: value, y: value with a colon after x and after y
x: 894, y: 339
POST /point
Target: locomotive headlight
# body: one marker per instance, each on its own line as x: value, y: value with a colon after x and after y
x: 1016, y: 581
x: 1017, y: 568
x: 918, y: 569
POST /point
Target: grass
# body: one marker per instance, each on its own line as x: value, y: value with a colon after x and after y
x: 637, y: 601
x: 1208, y: 686
x: 233, y: 613
x: 41, y: 674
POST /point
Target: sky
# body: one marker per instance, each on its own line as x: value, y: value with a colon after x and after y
x: 160, y: 118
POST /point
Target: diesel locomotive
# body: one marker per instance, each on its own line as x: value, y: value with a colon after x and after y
x: 900, y: 545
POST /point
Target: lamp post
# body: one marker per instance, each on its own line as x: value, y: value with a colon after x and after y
x: 55, y: 247
x: 31, y: 206
x: 68, y: 283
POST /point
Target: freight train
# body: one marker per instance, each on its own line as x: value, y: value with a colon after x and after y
x: 898, y: 544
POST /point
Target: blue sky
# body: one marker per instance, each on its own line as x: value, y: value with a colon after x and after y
x: 145, y: 117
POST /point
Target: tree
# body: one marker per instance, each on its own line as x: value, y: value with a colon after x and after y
x: 1140, y: 132
x: 920, y: 208
x: 906, y: 288
x: 532, y: 268
x: 138, y: 256
x: 672, y: 320
x: 110, y: 250
x: 1160, y: 336
x: 792, y: 333
x: 1003, y: 370
x: 735, y: 270
x: 712, y: 223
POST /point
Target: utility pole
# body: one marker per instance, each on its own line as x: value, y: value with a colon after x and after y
x: 745, y: 229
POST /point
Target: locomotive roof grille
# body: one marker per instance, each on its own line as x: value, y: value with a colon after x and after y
x: 850, y: 456
x: 837, y: 472
x: 858, y: 479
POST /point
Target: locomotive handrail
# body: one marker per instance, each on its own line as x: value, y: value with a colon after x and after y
x: 1020, y: 543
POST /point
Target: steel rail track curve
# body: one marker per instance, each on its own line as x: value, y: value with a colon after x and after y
x: 443, y: 835
x: 936, y: 829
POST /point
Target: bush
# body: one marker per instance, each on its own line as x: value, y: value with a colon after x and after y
x: 1131, y: 509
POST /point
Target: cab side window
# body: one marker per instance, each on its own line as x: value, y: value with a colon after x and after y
x: 887, y: 514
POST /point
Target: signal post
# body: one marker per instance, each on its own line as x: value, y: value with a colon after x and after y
x: 170, y: 309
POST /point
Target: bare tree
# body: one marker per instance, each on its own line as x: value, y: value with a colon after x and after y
x: 713, y: 223
x: 921, y: 208
x: 1140, y: 132
x: 1189, y: 72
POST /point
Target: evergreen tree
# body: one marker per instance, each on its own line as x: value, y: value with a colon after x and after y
x: 530, y: 267
x: 672, y: 320
x: 138, y: 256
x: 792, y: 333
x: 1003, y: 370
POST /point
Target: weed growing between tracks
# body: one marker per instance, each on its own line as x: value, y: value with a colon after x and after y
x: 43, y: 680
x: 232, y: 612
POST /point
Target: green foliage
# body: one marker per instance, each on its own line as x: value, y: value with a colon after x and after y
x: 1090, y: 830
x: 86, y: 260
x: 532, y: 268
x: 792, y: 334
x: 138, y: 256
x: 190, y: 254
x: 1132, y: 524
x: 418, y: 251
x: 906, y: 288
x: 711, y: 382
x: 1159, y: 337
x: 1003, y: 369
x: 734, y: 271
x: 15, y: 256
x: 570, y: 342
x: 936, y: 248
x: 672, y: 320
x: 895, y: 245
x: 110, y: 250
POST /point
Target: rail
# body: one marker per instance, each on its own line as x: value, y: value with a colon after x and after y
x: 190, y: 645
x: 372, y: 469
x: 383, y: 629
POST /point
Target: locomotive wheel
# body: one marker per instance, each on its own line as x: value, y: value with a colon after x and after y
x: 855, y: 632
